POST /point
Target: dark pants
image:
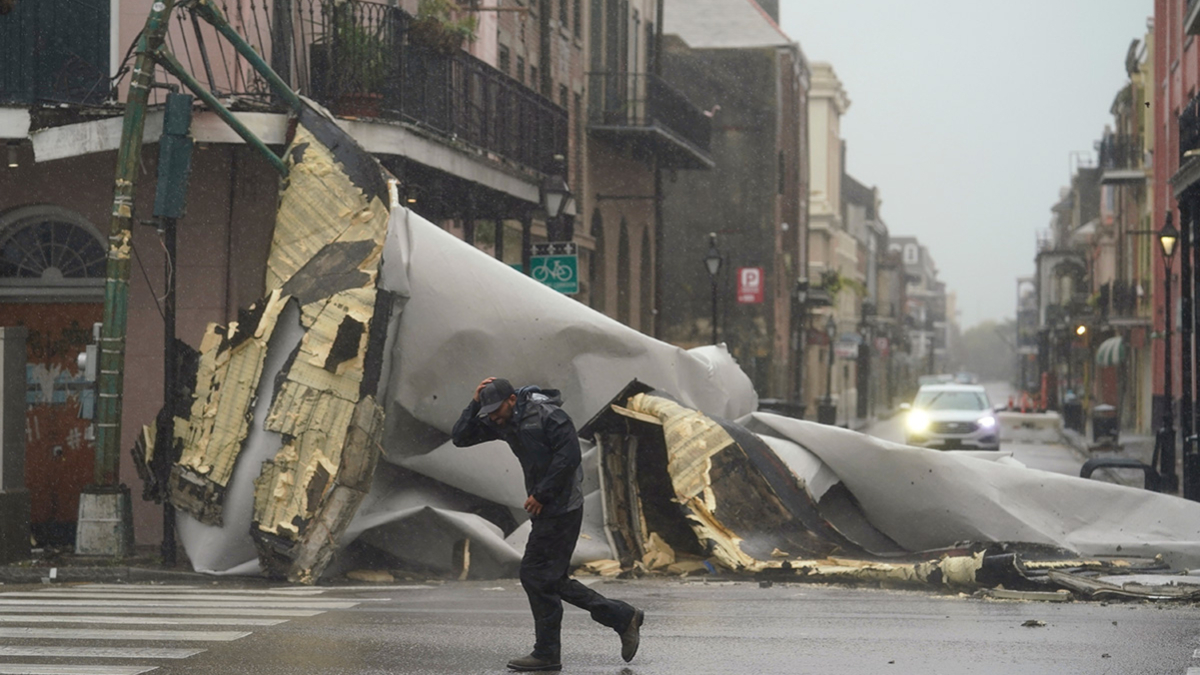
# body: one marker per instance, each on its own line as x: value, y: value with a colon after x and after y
x: 544, y: 576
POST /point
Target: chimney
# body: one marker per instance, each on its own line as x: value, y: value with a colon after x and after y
x: 771, y: 7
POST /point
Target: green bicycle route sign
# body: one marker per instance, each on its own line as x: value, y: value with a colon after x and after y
x: 556, y: 264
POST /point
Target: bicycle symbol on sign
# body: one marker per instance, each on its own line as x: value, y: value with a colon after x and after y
x: 557, y: 271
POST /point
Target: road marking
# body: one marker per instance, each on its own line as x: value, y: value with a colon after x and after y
x: 1193, y: 671
x: 117, y: 634
x: 121, y: 597
x: 105, y: 601
x: 202, y: 589
x: 1196, y: 654
x: 154, y: 620
x: 67, y: 608
x: 43, y: 669
x: 101, y: 652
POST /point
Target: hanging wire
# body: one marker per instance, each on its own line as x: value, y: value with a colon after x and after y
x: 170, y: 266
x: 138, y: 258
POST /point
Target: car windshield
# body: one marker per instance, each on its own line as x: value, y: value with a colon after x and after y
x: 950, y: 400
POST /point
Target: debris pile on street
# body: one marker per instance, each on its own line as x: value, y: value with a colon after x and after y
x: 377, y: 326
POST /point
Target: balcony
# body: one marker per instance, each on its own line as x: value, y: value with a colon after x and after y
x: 1121, y: 159
x: 359, y: 59
x: 642, y: 109
x: 55, y: 51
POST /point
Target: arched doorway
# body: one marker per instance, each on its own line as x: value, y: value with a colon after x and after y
x: 52, y: 268
x: 623, y: 274
x: 646, y: 286
x: 596, y: 280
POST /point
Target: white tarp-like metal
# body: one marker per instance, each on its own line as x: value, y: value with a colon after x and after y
x: 925, y: 499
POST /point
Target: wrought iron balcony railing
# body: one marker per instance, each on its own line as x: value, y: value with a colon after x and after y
x: 360, y: 59
x: 1189, y: 129
x: 1120, y: 151
x: 55, y: 51
x: 626, y: 104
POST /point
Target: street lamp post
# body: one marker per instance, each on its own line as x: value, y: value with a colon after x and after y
x: 712, y: 260
x: 827, y: 411
x: 802, y: 323
x: 1167, y: 237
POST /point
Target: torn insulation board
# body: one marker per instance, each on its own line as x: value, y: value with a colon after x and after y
x: 227, y: 377
x: 323, y: 219
x: 300, y: 553
x: 325, y: 252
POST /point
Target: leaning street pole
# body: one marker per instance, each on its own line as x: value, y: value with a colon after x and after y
x: 107, y: 501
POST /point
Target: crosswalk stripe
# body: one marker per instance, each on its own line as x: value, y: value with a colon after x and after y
x: 154, y: 620
x: 179, y: 588
x: 67, y: 608
x: 121, y: 597
x: 1196, y: 654
x: 48, y: 602
x: 1193, y: 670
x: 101, y: 652
x: 54, y: 669
x: 117, y: 634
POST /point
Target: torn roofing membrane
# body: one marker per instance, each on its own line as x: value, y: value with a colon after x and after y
x: 378, y: 326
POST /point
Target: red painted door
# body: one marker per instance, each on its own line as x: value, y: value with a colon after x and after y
x: 59, y: 457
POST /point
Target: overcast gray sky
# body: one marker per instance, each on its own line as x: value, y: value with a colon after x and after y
x: 965, y: 113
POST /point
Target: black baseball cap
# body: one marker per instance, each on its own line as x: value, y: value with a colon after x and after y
x: 494, y: 394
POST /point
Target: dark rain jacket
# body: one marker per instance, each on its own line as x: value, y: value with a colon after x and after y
x: 543, y: 438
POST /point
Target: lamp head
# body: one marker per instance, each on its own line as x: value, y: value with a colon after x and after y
x: 712, y: 259
x: 831, y: 327
x: 1168, y: 236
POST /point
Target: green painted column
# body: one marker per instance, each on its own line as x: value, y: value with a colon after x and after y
x: 111, y: 374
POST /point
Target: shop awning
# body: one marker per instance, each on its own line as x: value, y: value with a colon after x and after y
x: 1111, y: 352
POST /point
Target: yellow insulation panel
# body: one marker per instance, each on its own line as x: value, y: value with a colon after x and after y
x: 319, y: 205
x: 220, y: 412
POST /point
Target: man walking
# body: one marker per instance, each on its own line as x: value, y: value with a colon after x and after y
x: 543, y: 438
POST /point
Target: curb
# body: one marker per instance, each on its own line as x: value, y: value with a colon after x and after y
x: 1078, y: 443
x: 17, y: 574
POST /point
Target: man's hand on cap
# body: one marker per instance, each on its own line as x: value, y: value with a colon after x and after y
x: 486, y: 382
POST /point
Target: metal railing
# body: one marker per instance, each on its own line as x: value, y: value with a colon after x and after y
x: 55, y: 51
x: 1189, y: 128
x: 1120, y: 151
x: 367, y: 59
x: 361, y: 59
x: 645, y: 100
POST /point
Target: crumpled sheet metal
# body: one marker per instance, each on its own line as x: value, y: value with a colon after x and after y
x: 439, y: 316
x: 925, y: 499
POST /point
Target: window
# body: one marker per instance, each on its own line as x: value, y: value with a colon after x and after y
x: 533, y: 78
x: 563, y: 96
x: 521, y: 69
x: 46, y: 246
x: 562, y: 12
x: 503, y: 60
x: 577, y: 15
x: 911, y: 254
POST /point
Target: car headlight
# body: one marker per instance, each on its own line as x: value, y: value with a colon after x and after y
x: 917, y: 421
x: 988, y: 422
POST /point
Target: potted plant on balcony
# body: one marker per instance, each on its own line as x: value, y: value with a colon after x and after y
x: 350, y: 63
x: 441, y: 26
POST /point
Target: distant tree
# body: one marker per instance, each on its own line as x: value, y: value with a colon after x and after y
x: 987, y: 350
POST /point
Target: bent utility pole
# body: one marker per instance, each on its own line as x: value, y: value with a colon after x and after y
x: 107, y: 501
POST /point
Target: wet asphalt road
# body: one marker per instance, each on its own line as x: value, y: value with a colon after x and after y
x: 693, y: 627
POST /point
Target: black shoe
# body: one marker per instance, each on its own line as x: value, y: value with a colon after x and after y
x: 531, y: 662
x: 632, y: 635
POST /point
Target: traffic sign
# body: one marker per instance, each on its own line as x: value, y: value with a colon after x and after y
x: 556, y: 264
x: 750, y: 285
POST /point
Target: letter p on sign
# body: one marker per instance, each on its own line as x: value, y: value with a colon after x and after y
x: 750, y: 285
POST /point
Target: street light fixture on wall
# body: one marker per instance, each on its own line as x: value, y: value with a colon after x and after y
x: 1167, y: 238
x: 712, y: 261
x: 556, y: 200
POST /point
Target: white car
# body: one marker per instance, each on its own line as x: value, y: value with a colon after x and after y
x: 952, y: 416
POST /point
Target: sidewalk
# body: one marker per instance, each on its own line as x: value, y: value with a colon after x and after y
x: 48, y: 565
x: 1129, y: 446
